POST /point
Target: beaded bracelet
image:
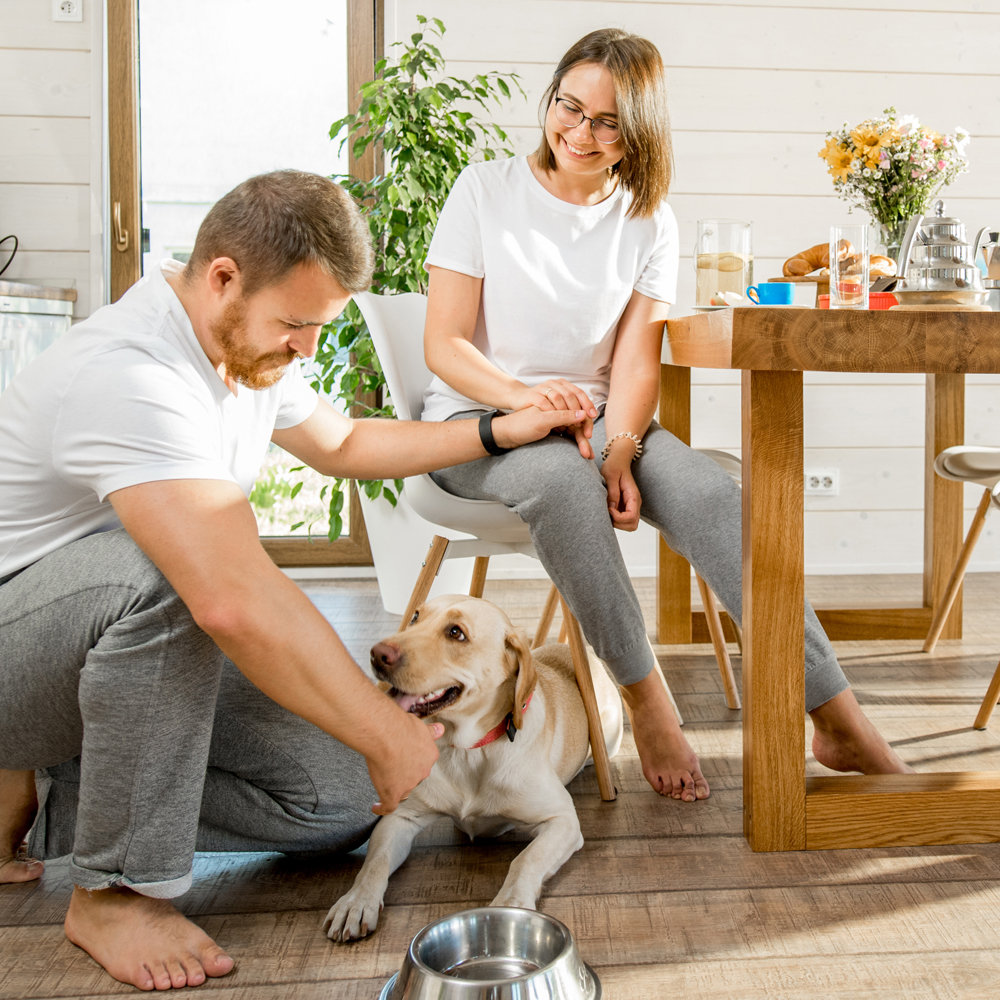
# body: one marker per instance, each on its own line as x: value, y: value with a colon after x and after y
x: 606, y: 450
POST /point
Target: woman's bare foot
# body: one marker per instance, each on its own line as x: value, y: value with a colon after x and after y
x: 668, y: 762
x: 18, y: 805
x: 142, y: 941
x: 845, y: 740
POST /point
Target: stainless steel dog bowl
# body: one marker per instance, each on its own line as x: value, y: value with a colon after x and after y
x: 494, y: 953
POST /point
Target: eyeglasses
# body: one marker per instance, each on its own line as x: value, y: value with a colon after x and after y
x: 570, y: 115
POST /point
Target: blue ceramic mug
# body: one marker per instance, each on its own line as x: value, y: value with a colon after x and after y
x: 772, y: 293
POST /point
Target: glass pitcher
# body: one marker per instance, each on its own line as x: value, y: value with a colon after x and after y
x: 723, y: 259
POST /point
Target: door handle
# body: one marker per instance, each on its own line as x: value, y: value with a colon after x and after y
x: 121, y: 235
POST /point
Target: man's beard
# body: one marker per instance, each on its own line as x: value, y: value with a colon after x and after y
x: 255, y: 371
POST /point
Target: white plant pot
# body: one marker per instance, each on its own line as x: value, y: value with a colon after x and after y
x: 399, y: 540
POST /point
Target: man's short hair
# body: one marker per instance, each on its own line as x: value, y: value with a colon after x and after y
x: 273, y: 222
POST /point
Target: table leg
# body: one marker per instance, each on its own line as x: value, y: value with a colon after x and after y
x: 944, y: 428
x: 774, y: 796
x: 673, y: 572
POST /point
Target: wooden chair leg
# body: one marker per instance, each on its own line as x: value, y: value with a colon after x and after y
x: 584, y: 680
x: 718, y: 643
x: 739, y: 636
x: 431, y: 565
x: 958, y: 573
x: 479, y: 576
x: 989, y: 702
x: 545, y: 622
x: 563, y: 632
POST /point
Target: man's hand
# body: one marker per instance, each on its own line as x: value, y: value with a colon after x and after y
x: 407, y: 759
x: 561, y: 394
x: 533, y: 423
x: 624, y: 500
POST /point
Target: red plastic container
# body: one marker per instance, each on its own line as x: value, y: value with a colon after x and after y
x: 876, y: 300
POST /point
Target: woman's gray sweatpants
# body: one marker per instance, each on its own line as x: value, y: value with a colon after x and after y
x: 148, y: 744
x: 686, y: 496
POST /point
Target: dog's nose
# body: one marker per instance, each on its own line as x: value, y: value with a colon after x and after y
x: 385, y: 655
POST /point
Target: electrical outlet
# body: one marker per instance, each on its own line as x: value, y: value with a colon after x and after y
x: 822, y: 482
x: 67, y: 10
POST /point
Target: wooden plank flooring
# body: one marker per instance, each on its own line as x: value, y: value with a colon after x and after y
x: 665, y: 898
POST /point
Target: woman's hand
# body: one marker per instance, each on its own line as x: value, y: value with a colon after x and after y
x: 560, y: 394
x: 556, y: 394
x: 624, y: 499
x: 532, y: 424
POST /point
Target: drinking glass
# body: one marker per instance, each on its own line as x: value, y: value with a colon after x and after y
x: 723, y: 259
x: 849, y: 267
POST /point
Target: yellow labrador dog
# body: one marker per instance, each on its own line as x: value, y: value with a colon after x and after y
x: 515, y: 733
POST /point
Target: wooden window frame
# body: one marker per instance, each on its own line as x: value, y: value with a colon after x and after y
x: 365, y: 34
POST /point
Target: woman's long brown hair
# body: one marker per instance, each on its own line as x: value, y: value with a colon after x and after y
x: 635, y: 66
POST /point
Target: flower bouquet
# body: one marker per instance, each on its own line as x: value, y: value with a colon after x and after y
x: 892, y: 167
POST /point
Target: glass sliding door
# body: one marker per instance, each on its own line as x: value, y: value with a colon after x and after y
x: 229, y: 89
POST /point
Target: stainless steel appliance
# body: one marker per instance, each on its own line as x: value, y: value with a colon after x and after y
x: 937, y: 265
x: 31, y: 318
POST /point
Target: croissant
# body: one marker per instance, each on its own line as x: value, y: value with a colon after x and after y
x: 815, y: 257
x: 882, y: 267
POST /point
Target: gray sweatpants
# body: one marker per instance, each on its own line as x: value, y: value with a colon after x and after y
x: 148, y: 743
x: 686, y: 496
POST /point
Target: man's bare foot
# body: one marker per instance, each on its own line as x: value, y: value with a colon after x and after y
x: 142, y: 941
x: 668, y: 762
x: 18, y: 805
x: 845, y: 740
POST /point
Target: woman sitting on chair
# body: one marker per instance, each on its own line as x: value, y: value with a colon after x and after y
x: 550, y: 280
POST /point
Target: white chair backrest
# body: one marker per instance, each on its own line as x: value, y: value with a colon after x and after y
x: 396, y: 323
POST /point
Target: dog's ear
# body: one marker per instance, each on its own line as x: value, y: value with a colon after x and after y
x: 526, y: 677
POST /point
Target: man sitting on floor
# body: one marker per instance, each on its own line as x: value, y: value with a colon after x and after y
x: 163, y: 685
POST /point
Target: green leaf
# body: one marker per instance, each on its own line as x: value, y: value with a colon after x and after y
x: 337, y: 502
x: 336, y: 528
x: 296, y: 490
x: 391, y: 497
x: 296, y: 468
x: 296, y: 526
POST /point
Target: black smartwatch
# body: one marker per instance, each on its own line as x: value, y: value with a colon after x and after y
x: 486, y: 433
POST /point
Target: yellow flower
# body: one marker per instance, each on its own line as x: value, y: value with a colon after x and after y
x: 832, y: 145
x: 839, y: 161
x: 870, y: 143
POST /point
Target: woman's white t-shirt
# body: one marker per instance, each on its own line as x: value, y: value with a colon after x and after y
x: 556, y: 277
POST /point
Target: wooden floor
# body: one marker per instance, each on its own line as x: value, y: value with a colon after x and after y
x: 665, y: 898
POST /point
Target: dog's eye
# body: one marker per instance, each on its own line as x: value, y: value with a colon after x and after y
x: 456, y: 633
x: 416, y: 615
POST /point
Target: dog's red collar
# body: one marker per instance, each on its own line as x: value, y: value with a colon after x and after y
x: 505, y: 727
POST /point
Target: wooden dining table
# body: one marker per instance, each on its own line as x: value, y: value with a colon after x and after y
x: 783, y: 810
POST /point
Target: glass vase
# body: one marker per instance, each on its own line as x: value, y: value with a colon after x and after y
x: 890, y: 237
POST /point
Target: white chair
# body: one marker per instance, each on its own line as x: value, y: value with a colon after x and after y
x: 396, y: 325
x: 980, y: 465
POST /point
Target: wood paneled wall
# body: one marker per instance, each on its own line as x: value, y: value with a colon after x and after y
x: 46, y: 159
x: 754, y: 84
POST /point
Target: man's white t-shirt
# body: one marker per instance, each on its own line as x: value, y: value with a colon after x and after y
x: 556, y: 277
x: 128, y: 396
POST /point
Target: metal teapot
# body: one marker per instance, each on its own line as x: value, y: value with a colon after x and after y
x: 988, y: 242
x: 936, y: 264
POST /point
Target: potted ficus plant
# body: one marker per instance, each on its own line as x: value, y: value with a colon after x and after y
x: 422, y: 124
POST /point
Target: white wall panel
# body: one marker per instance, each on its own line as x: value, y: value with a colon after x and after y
x: 40, y: 82
x: 45, y: 150
x: 28, y: 24
x: 47, y: 216
x: 721, y: 35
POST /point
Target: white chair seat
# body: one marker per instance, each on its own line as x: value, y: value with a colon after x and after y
x: 968, y: 464
x: 487, y: 519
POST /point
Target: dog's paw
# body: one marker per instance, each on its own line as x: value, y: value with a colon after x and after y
x: 354, y: 916
x: 515, y: 896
